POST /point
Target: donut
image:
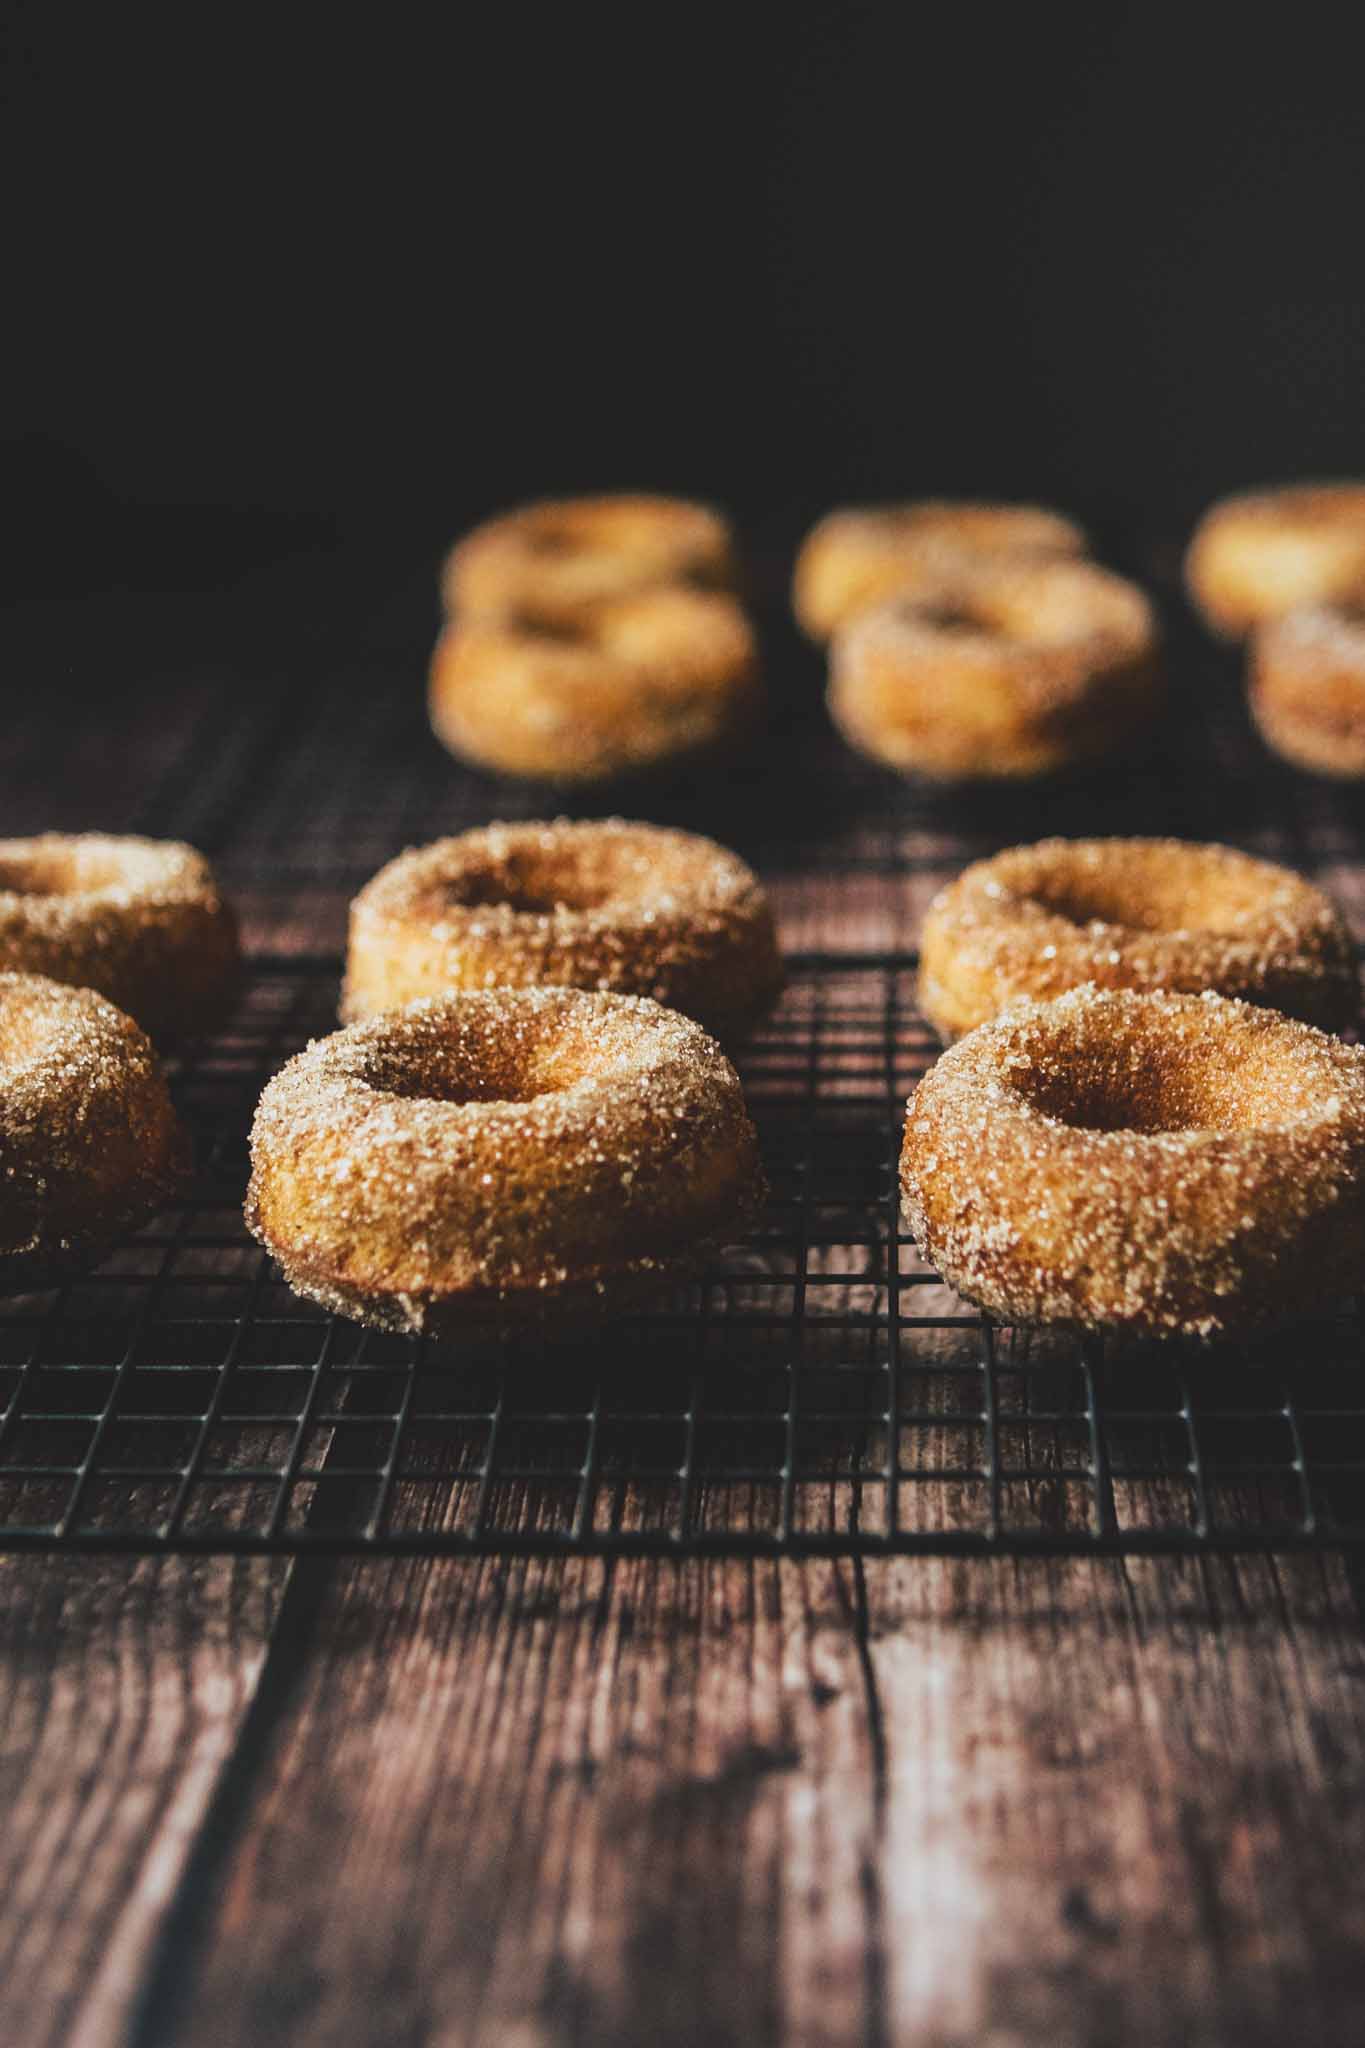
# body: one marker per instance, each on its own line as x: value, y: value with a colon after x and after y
x: 1004, y: 669
x: 141, y: 920
x: 90, y: 1142
x: 546, y: 564
x: 1257, y: 556
x: 631, y: 908
x: 638, y: 682
x: 501, y: 1157
x: 1307, y: 688
x: 855, y: 558
x: 1132, y: 913
x: 1154, y: 1164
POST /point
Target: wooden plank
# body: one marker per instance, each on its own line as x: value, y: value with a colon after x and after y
x: 123, y: 1688
x: 1130, y: 1787
x: 920, y: 1803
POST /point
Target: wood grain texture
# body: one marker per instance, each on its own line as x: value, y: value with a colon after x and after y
x: 917, y: 1803
x: 122, y: 1692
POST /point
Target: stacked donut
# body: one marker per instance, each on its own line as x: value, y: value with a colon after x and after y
x: 1145, y: 1124
x: 975, y: 640
x: 593, y: 638
x: 1286, y: 570
x: 96, y: 933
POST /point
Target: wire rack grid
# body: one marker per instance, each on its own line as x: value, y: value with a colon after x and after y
x: 818, y: 1392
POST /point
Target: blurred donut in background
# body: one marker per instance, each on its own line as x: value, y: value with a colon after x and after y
x: 546, y: 564
x: 857, y: 556
x: 1006, y: 669
x: 1262, y: 554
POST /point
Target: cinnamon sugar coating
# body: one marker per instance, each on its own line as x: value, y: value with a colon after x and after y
x: 611, y: 905
x: 90, y: 1143
x: 1260, y: 555
x: 633, y: 683
x: 1011, y: 668
x: 501, y: 1158
x: 545, y: 565
x: 1152, y: 1164
x: 1133, y: 913
x: 1307, y: 688
x: 861, y: 556
x: 141, y: 920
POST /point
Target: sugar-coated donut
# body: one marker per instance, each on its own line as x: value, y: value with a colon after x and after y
x: 546, y: 564
x: 1307, y: 688
x: 855, y: 558
x: 501, y: 1158
x: 1258, y: 556
x: 141, y: 920
x: 1153, y: 1164
x: 1004, y: 669
x: 1133, y: 913
x: 636, y: 683
x: 90, y: 1143
x: 609, y: 905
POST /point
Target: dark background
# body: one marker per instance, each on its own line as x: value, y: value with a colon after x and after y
x: 282, y: 286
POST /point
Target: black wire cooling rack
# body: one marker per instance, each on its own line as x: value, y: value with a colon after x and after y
x: 819, y: 1392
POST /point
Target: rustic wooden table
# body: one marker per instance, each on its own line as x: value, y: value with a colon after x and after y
x: 442, y: 1800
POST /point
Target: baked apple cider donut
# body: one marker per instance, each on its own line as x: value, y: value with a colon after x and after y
x: 1133, y: 913
x: 1005, y: 670
x: 91, y: 1144
x: 635, y: 682
x: 1307, y: 688
x: 141, y: 920
x: 502, y: 1158
x: 1258, y: 556
x: 1152, y: 1164
x: 632, y: 908
x: 856, y: 558
x: 549, y: 563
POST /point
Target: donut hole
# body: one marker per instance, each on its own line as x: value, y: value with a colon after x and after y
x: 546, y: 629
x: 451, y: 1075
x: 1143, y: 891
x: 463, y: 1088
x: 565, y: 877
x: 482, y: 1063
x: 962, y: 614
x: 589, y: 628
x: 951, y: 618
x: 556, y: 531
x: 1044, y: 608
x: 1152, y: 1085
x: 536, y: 885
x: 550, y: 541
